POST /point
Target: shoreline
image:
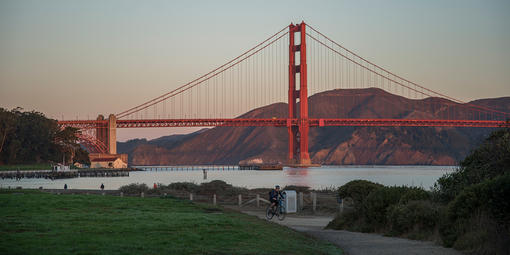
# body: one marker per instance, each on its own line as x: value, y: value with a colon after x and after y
x: 66, y: 174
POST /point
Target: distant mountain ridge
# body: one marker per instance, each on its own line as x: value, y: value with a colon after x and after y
x: 166, y: 142
x: 329, y: 145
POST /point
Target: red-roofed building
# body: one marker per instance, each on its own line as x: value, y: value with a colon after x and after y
x: 102, y: 160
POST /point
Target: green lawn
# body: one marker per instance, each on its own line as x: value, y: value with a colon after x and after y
x: 40, y: 223
x: 43, y: 166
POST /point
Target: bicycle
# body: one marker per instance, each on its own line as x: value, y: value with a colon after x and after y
x: 279, y: 210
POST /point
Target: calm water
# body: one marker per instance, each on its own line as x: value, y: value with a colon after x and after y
x: 315, y: 177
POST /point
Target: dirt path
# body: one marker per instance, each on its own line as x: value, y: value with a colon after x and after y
x: 354, y: 243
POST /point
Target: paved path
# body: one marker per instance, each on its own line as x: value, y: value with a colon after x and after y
x: 354, y: 243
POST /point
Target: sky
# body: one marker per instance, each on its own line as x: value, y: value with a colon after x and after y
x: 77, y: 59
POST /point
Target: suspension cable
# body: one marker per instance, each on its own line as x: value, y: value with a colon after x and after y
x: 134, y: 109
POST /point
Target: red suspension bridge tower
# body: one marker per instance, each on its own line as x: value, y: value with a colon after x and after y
x: 298, y: 135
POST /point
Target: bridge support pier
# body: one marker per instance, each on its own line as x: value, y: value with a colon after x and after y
x: 298, y: 135
x: 108, y: 134
x: 112, y: 134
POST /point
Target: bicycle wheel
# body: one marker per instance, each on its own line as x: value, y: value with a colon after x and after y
x: 269, y: 213
x: 281, y: 213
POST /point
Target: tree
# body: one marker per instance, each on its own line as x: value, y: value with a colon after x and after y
x: 30, y: 137
x: 7, y: 126
x: 489, y: 160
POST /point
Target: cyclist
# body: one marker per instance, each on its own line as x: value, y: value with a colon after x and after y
x: 274, y: 196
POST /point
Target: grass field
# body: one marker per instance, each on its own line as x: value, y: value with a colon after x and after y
x: 33, y: 222
x: 44, y: 166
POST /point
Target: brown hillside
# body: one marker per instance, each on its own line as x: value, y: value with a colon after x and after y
x: 336, y: 145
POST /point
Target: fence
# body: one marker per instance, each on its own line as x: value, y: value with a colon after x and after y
x: 309, y: 202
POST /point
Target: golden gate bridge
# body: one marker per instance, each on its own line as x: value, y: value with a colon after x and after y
x: 296, y: 61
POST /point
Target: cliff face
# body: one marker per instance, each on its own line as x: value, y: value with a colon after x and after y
x: 332, y: 145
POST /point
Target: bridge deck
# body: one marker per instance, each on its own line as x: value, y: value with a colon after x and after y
x: 283, y: 122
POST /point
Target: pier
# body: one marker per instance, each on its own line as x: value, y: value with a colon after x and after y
x: 190, y: 168
x: 265, y: 167
x: 212, y: 167
x: 53, y: 174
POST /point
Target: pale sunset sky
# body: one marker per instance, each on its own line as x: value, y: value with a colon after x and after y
x: 78, y: 59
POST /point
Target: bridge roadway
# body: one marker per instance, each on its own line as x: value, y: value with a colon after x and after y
x: 283, y: 122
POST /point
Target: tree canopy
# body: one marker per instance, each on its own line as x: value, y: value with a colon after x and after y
x: 30, y: 137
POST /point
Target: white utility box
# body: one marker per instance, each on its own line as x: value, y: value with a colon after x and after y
x: 290, y: 201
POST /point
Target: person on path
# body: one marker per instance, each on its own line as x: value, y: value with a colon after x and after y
x: 274, y: 196
x: 65, y: 186
x: 102, y: 186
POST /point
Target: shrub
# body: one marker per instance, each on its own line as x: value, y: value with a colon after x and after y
x: 358, y: 190
x: 349, y: 220
x: 377, y: 203
x: 489, y: 160
x: 184, y: 186
x: 488, y: 201
x: 415, y: 218
x: 491, y: 196
x: 134, y: 188
x: 448, y: 186
x: 473, y: 213
x: 220, y: 188
x: 297, y: 188
x: 413, y: 193
x: 479, y: 234
x: 372, y: 202
x: 213, y: 187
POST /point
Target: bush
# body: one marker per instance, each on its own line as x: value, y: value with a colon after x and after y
x: 377, y: 203
x: 297, y: 188
x: 358, y: 190
x: 134, y: 188
x: 489, y: 160
x: 491, y: 196
x: 478, y: 217
x: 220, y: 188
x: 415, y: 219
x: 469, y: 208
x: 477, y: 234
x: 214, y: 187
x: 447, y: 187
x: 372, y: 202
x: 184, y: 186
x: 349, y: 220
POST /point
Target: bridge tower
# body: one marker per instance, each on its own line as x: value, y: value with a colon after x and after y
x: 298, y: 135
x: 108, y: 133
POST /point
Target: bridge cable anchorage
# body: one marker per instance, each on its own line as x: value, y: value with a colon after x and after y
x: 434, y: 93
x: 136, y: 108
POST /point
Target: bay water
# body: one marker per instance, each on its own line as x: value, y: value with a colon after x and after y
x: 314, y: 177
